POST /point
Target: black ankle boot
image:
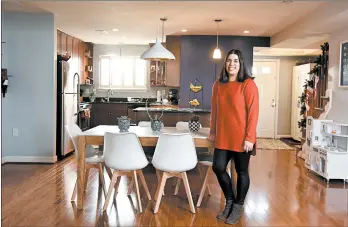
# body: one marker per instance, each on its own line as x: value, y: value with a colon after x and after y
x: 235, y: 215
x: 228, y: 208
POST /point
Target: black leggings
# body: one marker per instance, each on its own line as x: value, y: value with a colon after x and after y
x: 241, y: 162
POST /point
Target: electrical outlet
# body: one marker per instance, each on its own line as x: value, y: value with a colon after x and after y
x: 15, y: 132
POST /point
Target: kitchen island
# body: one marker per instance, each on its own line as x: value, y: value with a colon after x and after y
x: 172, y: 115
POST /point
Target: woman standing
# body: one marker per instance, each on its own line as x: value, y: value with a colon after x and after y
x: 234, y: 116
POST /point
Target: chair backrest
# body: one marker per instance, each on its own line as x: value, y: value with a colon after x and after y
x: 182, y: 125
x: 73, y: 130
x: 175, y: 152
x: 144, y: 124
x: 123, y: 151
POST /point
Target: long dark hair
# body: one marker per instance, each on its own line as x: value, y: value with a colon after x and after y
x: 243, y: 72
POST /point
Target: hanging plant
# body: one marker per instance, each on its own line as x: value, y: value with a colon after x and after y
x: 302, y: 124
x: 303, y: 98
x: 303, y: 110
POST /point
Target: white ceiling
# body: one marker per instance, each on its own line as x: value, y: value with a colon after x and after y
x: 137, y: 21
x: 295, y: 27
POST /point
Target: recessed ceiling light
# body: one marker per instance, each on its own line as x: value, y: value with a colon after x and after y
x: 103, y: 32
x: 115, y: 30
x: 184, y: 30
x: 246, y: 32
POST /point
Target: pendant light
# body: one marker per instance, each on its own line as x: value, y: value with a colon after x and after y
x: 217, y: 51
x: 158, y: 51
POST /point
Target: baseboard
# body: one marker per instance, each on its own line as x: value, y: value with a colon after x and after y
x: 28, y: 159
x: 283, y: 136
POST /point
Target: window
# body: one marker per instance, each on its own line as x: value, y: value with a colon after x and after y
x: 126, y: 72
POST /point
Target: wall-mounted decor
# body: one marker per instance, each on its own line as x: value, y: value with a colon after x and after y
x: 4, y: 82
x: 196, y: 94
x: 343, y: 66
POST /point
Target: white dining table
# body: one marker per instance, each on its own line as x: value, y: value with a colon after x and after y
x: 95, y: 136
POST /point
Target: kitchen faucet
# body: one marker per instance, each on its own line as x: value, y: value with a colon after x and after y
x: 108, y: 97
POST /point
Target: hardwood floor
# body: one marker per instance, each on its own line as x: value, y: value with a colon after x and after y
x: 282, y: 193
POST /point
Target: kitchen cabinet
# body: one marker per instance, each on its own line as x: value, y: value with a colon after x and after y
x: 173, y: 44
x: 107, y: 113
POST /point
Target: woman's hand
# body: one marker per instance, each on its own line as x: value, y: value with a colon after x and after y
x: 248, y: 146
x: 211, y: 137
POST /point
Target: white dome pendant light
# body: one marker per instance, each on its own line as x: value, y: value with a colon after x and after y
x: 217, y: 51
x: 157, y: 51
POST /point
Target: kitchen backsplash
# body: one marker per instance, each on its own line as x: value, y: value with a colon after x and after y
x: 149, y: 93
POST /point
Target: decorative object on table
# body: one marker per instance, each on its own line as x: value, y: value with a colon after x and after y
x: 123, y: 123
x: 156, y: 122
x: 196, y: 94
x: 194, y: 124
x: 4, y: 82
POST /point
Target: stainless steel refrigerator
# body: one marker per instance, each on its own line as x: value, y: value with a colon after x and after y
x: 68, y: 89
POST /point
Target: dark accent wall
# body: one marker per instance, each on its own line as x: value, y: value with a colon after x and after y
x: 197, y: 61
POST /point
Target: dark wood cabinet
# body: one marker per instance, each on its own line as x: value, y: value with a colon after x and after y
x: 107, y: 113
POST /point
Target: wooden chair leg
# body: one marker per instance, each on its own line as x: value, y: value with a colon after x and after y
x: 111, y: 187
x: 158, y: 174
x: 130, y: 186
x: 86, y: 178
x: 108, y: 170
x: 143, y: 182
x: 177, y: 186
x: 204, y: 186
x: 188, y: 192
x: 159, y: 192
x: 202, y: 177
x: 137, y: 190
x: 74, y: 192
x: 101, y: 177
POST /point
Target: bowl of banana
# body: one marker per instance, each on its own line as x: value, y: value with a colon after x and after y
x: 194, y: 102
x: 195, y: 88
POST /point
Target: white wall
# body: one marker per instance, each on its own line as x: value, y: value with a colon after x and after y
x: 285, y: 91
x: 339, y: 109
x: 124, y: 50
x: 30, y: 104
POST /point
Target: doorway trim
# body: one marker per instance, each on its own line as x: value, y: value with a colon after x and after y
x: 277, y: 61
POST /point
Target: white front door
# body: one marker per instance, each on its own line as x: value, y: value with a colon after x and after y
x: 265, y: 73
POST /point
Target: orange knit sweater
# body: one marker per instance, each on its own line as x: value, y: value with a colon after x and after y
x: 234, y: 114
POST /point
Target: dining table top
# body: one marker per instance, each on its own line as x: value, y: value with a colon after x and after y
x: 144, y: 131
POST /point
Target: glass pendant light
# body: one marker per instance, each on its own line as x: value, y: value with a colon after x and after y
x: 158, y: 51
x: 217, y: 51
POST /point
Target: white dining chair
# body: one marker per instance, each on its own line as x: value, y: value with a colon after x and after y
x: 148, y: 156
x: 175, y: 154
x: 184, y: 125
x: 205, y: 159
x: 124, y: 154
x: 144, y: 124
x: 92, y: 160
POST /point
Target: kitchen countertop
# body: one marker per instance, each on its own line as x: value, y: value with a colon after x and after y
x: 172, y: 110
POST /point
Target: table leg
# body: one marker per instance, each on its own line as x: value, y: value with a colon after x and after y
x: 80, y: 170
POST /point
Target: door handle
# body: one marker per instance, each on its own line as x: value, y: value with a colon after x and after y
x: 273, y: 103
